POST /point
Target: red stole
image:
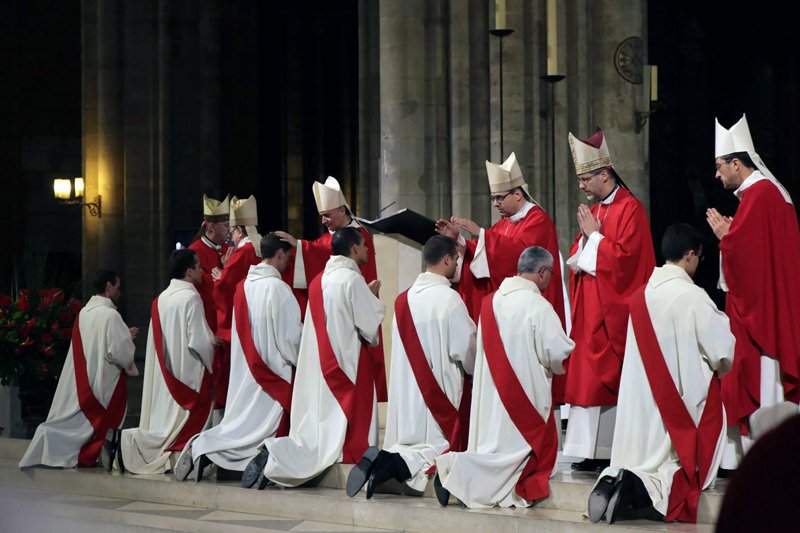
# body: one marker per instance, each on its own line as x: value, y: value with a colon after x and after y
x: 356, y: 400
x: 101, y: 418
x: 197, y: 403
x: 541, y: 436
x: 269, y: 381
x: 446, y: 415
x: 694, y: 445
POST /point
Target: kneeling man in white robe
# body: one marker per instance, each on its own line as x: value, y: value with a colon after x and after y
x: 433, y: 347
x: 265, y: 337
x: 91, y: 396
x: 513, y: 439
x: 177, y: 390
x: 670, y: 427
x: 334, y: 415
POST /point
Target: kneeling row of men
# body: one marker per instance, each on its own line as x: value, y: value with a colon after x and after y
x: 303, y: 396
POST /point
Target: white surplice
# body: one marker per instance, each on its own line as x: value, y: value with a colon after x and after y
x: 536, y: 344
x: 447, y: 335
x: 108, y: 349
x: 318, y: 424
x: 252, y: 415
x: 696, y: 341
x: 188, y: 351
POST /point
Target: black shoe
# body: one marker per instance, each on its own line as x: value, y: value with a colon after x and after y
x: 254, y: 469
x: 203, y: 467
x: 120, y: 464
x: 725, y: 473
x: 598, y: 499
x: 361, y: 472
x: 387, y: 466
x: 619, y: 498
x: 442, y: 494
x: 263, y: 482
x: 109, y: 450
x: 185, y: 464
x: 591, y: 465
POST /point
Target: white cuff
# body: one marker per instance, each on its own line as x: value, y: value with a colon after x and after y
x: 299, y: 281
x: 588, y: 258
x: 480, y: 263
x: 721, y: 284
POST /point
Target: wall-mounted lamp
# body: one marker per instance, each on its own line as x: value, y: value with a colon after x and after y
x: 69, y: 191
x: 642, y: 116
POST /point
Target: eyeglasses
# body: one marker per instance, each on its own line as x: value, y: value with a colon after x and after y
x: 549, y: 269
x: 587, y: 179
x: 718, y: 165
x: 499, y: 197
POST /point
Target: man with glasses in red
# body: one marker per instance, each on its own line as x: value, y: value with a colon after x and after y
x: 759, y: 259
x: 611, y: 257
x: 492, y: 254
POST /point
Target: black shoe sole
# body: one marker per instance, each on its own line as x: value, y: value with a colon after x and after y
x: 598, y: 498
x: 360, y: 473
x: 254, y: 469
x: 442, y: 494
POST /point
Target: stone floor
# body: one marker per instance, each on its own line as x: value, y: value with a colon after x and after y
x: 46, y: 499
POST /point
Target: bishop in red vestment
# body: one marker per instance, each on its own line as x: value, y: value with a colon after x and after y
x: 611, y: 257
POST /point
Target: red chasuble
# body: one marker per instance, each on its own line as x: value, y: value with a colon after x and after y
x: 198, y: 403
x: 235, y: 271
x: 694, y: 445
x: 541, y: 436
x: 271, y: 383
x: 101, y: 418
x: 625, y: 260
x: 355, y: 399
x: 315, y: 256
x: 760, y: 261
x: 505, y: 241
x: 453, y: 422
x: 210, y: 258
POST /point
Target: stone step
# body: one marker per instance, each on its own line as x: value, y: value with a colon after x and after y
x: 562, y: 511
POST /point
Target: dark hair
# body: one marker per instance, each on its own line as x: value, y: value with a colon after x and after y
x: 180, y: 261
x: 344, y: 239
x: 678, y: 239
x: 744, y: 157
x: 271, y: 243
x: 437, y: 248
x: 101, y: 277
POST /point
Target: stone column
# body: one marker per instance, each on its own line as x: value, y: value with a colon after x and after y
x: 414, y: 160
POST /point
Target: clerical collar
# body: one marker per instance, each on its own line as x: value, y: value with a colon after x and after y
x: 610, y: 198
x: 352, y: 224
x: 755, y: 176
x: 210, y: 244
x: 519, y: 215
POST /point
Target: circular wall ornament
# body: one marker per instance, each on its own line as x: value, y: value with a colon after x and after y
x: 628, y: 60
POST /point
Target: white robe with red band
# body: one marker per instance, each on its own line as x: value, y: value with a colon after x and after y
x: 109, y: 350
x: 318, y: 423
x: 696, y: 341
x: 251, y: 414
x: 188, y: 348
x: 447, y: 336
x: 487, y: 473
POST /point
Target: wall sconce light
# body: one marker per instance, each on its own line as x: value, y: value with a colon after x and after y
x: 642, y: 116
x: 69, y: 191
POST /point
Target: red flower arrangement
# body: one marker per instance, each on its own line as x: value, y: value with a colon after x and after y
x: 35, y: 333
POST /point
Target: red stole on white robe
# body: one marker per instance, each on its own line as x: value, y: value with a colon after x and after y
x: 101, y: 418
x: 694, y: 445
x: 197, y: 403
x: 541, y: 436
x: 354, y: 399
x: 274, y: 385
x: 453, y: 422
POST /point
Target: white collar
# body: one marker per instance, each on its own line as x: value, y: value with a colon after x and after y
x: 610, y: 198
x: 261, y: 271
x: 339, y: 261
x: 754, y: 177
x: 517, y: 283
x: 427, y: 280
x: 666, y: 273
x: 98, y: 300
x: 519, y: 215
x: 210, y: 244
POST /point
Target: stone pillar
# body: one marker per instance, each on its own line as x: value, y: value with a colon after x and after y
x: 414, y: 160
